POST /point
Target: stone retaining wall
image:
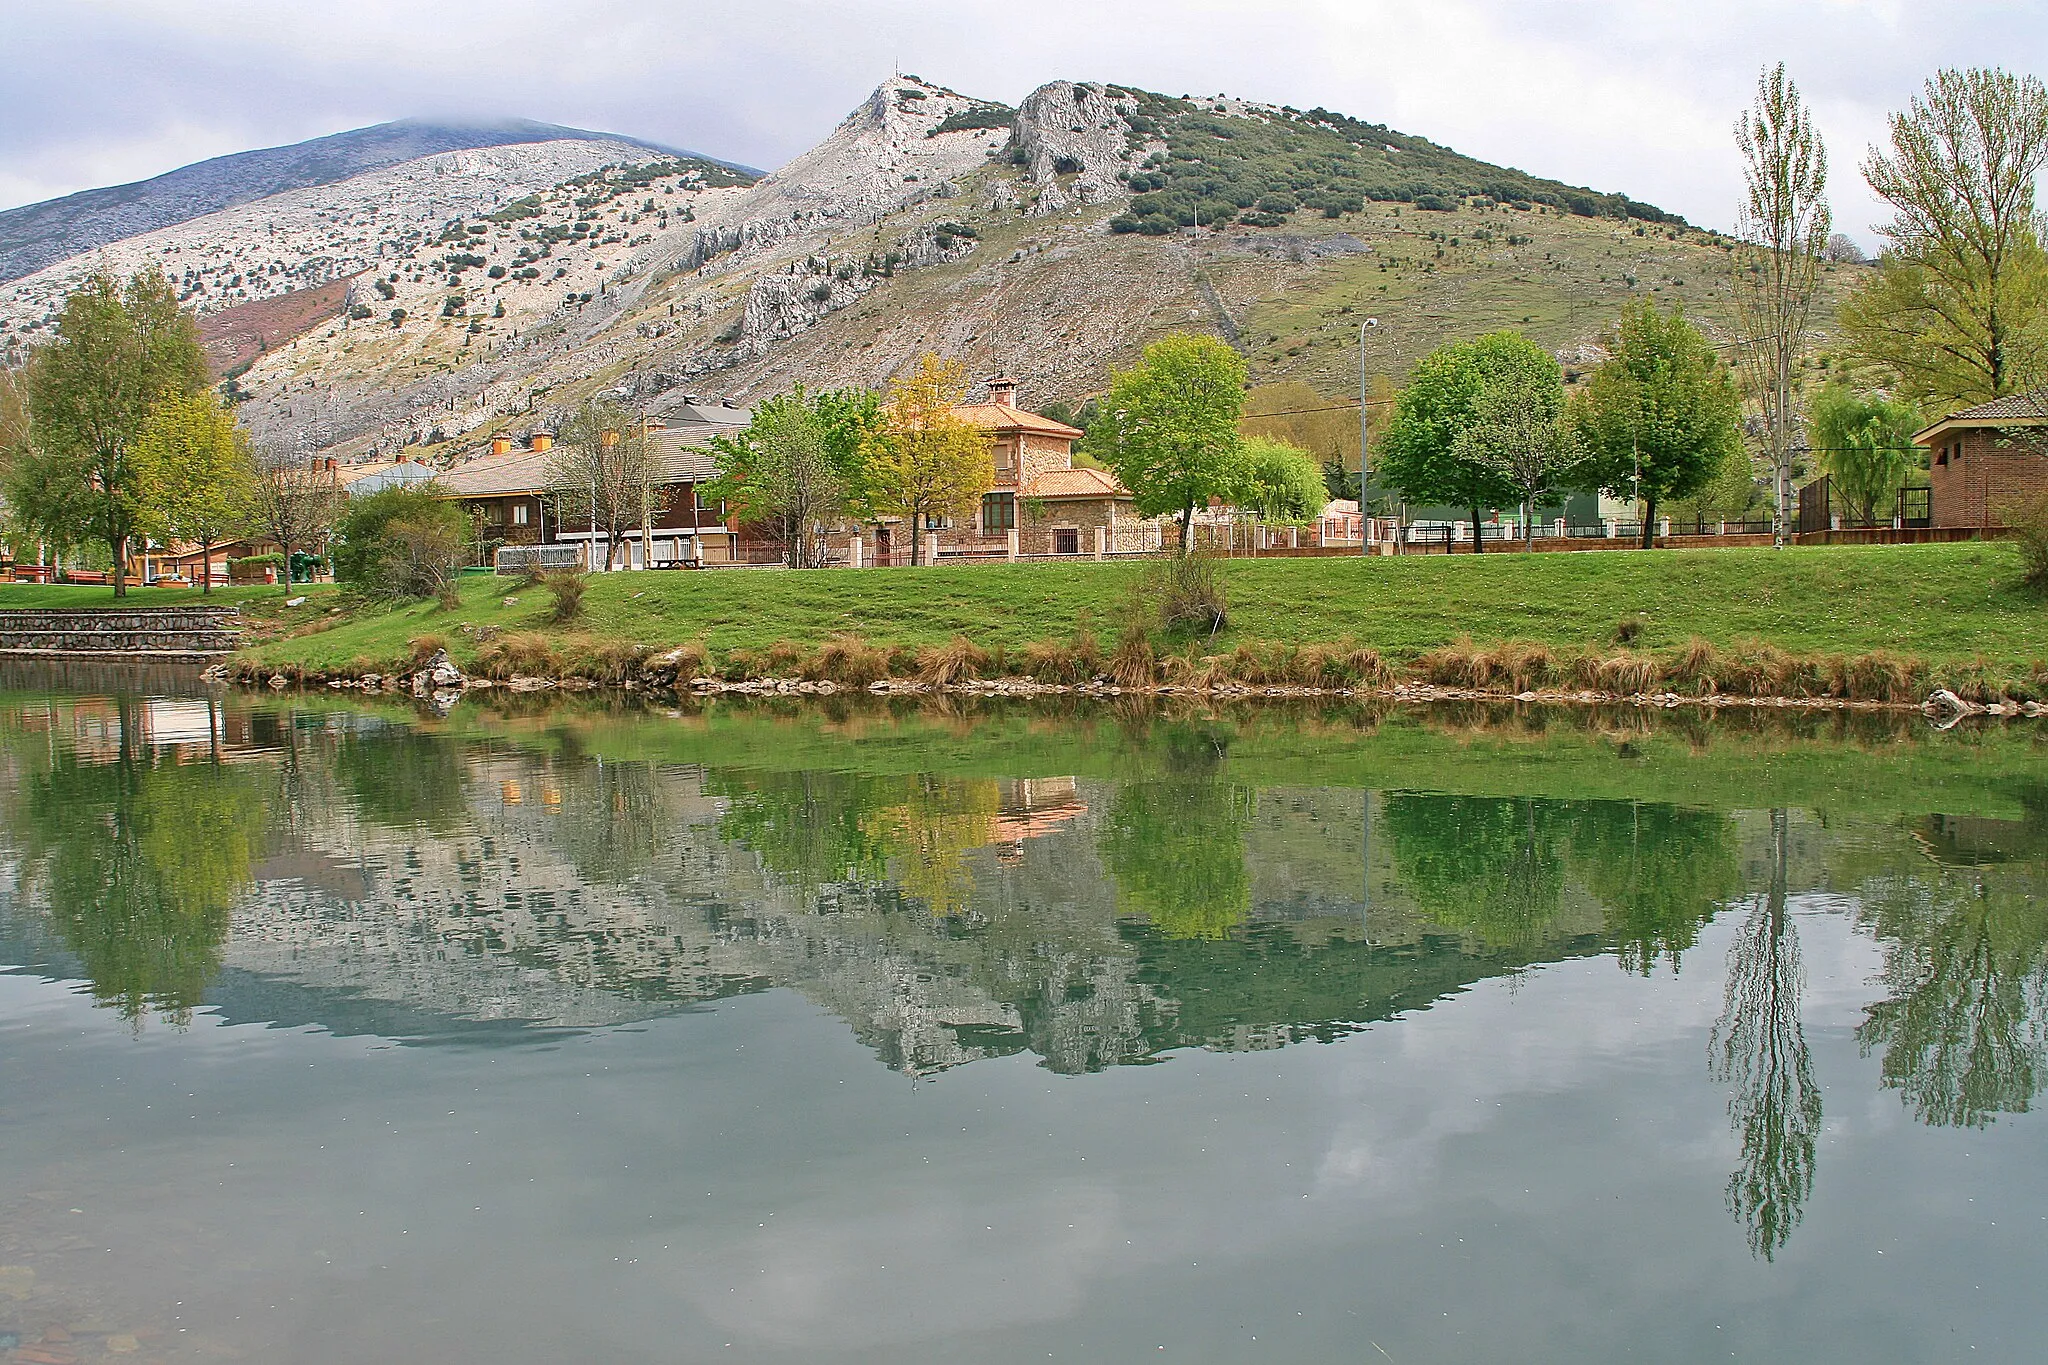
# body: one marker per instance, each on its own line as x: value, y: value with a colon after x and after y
x: 152, y: 632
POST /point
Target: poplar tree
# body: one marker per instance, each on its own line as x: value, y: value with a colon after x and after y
x: 1784, y: 225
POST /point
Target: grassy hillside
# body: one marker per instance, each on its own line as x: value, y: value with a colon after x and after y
x: 1954, y: 606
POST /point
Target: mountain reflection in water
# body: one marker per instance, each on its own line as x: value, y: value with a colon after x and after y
x: 1095, y: 891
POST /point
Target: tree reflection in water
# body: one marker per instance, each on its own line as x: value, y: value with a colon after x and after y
x: 139, y: 860
x: 1758, y: 1047
x: 1964, y: 1026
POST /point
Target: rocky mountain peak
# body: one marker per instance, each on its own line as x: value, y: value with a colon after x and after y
x: 1074, y: 138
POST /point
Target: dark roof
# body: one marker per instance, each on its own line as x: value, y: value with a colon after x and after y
x: 2015, y: 409
x: 682, y: 455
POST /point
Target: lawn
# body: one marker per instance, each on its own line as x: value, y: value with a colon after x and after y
x: 1951, y: 605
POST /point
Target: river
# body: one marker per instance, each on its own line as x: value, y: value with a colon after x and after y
x: 335, y: 1030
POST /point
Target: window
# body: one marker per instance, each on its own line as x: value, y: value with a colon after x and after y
x: 998, y: 512
x: 1066, y: 541
x: 519, y: 512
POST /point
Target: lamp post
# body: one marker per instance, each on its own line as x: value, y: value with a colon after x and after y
x: 1364, y: 430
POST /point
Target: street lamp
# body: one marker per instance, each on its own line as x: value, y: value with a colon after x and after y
x: 1364, y: 429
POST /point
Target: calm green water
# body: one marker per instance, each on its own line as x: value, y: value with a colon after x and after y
x: 340, y: 1032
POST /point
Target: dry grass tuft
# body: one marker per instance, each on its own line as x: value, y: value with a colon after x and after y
x: 424, y: 647
x: 1877, y: 676
x: 958, y: 660
x: 1696, y: 667
x: 785, y: 659
x: 849, y: 661
x: 520, y: 654
x: 1457, y: 664
x: 1626, y: 674
x: 1133, y: 664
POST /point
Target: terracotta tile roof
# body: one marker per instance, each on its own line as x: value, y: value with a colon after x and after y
x: 1074, y: 483
x: 1002, y: 417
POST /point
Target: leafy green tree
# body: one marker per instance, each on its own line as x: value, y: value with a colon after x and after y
x: 119, y: 351
x: 198, y: 474
x: 1783, y: 227
x: 924, y: 460
x: 1174, y: 419
x: 1957, y: 309
x: 1283, y: 483
x: 1865, y: 444
x: 1519, y: 431
x: 799, y: 465
x: 1659, y: 416
x: 1419, y: 455
x: 400, y: 542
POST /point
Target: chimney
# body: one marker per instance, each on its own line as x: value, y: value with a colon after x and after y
x: 609, y: 437
x: 330, y: 464
x: 501, y: 443
x: 542, y: 441
x: 1002, y: 391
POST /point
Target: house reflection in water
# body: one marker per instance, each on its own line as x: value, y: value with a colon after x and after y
x: 1030, y: 808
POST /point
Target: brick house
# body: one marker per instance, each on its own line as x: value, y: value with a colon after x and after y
x: 1054, y: 507
x: 1983, y: 459
x: 505, y: 485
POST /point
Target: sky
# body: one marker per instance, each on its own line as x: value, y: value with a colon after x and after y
x: 1632, y: 95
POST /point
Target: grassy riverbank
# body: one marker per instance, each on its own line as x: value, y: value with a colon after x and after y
x: 1955, y: 608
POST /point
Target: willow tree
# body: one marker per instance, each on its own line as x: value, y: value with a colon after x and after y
x: 1958, y: 306
x: 1784, y: 227
x: 120, y: 350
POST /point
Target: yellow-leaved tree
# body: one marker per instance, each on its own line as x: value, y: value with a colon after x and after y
x: 197, y: 475
x: 926, y: 461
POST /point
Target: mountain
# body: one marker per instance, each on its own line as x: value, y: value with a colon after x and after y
x: 1052, y: 240
x: 37, y: 235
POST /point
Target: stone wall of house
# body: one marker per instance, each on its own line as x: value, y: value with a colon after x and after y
x: 1981, y: 480
x: 1044, y: 455
x: 1037, y: 521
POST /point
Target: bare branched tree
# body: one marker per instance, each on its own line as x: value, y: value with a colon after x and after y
x: 602, y: 471
x: 297, y: 500
x: 1784, y: 227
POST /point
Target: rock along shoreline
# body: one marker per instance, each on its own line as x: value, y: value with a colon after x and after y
x: 441, y: 683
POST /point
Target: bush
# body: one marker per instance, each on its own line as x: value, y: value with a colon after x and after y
x: 1191, y: 594
x: 2029, y: 520
x: 401, y: 543
x: 567, y: 585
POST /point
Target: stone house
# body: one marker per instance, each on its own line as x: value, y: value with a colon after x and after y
x: 1982, y: 460
x: 1055, y: 508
